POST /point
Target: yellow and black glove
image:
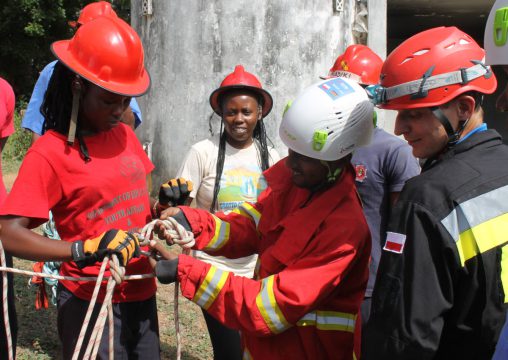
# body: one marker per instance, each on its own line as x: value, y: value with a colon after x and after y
x: 124, y: 244
x: 174, y: 192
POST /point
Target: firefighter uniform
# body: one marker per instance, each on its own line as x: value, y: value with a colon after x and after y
x: 311, y: 275
x: 442, y: 285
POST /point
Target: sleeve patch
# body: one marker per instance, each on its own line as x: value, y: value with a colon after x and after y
x: 394, y: 242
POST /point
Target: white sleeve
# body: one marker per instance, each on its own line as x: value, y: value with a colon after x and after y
x: 192, y: 169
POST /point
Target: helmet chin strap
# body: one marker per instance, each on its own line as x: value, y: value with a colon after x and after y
x: 453, y: 135
x: 332, y: 175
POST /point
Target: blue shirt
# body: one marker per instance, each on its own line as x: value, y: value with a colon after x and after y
x: 479, y: 128
x: 383, y: 167
x: 33, y: 119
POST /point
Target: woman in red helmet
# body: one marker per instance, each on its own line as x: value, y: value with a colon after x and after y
x: 441, y: 284
x: 226, y: 171
x: 90, y: 172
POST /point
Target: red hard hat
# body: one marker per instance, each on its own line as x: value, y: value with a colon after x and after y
x: 241, y: 79
x: 433, y: 67
x: 108, y: 53
x: 357, y: 60
x: 95, y: 10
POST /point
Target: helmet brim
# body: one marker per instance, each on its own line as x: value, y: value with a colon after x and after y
x: 136, y: 88
x: 267, y: 98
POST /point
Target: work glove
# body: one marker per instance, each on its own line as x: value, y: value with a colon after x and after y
x: 174, y: 192
x: 124, y: 244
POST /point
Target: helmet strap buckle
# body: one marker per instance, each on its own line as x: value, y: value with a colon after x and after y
x: 488, y: 70
x: 421, y: 92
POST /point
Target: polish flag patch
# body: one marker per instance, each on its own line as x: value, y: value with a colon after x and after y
x: 394, y: 242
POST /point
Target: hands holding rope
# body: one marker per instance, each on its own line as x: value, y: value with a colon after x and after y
x: 124, y: 244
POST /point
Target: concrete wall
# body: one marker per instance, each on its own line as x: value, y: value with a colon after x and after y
x: 191, y: 45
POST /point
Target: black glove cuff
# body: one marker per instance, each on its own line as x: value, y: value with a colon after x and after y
x: 166, y: 271
x: 78, y: 255
x: 182, y: 220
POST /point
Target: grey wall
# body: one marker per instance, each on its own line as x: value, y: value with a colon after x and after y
x: 191, y: 45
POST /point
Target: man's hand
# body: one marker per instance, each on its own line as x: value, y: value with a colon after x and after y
x: 125, y: 245
x: 166, y: 270
x: 174, y: 192
x: 160, y: 252
x: 178, y: 215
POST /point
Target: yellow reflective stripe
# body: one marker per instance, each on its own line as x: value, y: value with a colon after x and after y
x: 478, y: 224
x: 269, y: 308
x: 246, y: 209
x: 482, y: 238
x: 354, y: 355
x: 246, y: 355
x: 210, y: 287
x: 221, y: 236
x: 329, y: 320
x: 504, y: 271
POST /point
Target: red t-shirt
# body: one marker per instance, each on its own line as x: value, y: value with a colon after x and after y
x: 109, y: 192
x: 7, y: 102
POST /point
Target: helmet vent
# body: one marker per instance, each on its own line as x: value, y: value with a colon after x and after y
x: 450, y: 46
x: 416, y: 53
x: 420, y: 52
x: 464, y: 42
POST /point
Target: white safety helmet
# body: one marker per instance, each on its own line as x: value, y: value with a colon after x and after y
x: 328, y: 120
x: 496, y: 34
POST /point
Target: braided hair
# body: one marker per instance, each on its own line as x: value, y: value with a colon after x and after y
x: 260, y: 139
x: 57, y: 105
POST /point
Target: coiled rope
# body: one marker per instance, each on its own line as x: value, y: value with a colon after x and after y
x: 179, y: 235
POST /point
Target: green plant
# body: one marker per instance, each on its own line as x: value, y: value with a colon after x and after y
x: 19, y: 142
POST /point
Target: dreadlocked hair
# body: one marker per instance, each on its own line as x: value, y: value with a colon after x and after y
x: 260, y: 139
x: 57, y: 105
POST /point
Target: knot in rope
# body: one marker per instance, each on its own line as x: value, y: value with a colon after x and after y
x: 117, y: 271
x: 177, y: 232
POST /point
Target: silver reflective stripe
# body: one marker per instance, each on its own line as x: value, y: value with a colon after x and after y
x: 476, y: 211
x: 252, y: 211
x: 329, y: 320
x: 221, y: 235
x: 210, y: 289
x: 268, y: 307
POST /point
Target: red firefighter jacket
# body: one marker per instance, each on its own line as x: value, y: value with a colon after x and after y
x: 311, y: 273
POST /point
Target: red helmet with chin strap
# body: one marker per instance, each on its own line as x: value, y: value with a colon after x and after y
x: 358, y: 63
x: 108, y: 53
x: 241, y: 79
x: 433, y: 67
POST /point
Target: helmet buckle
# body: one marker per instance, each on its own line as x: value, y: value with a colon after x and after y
x: 421, y: 92
x: 319, y: 140
x: 500, y: 26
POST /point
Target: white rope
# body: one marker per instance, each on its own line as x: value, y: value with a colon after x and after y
x: 185, y: 239
x: 179, y: 236
x: 8, y: 335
